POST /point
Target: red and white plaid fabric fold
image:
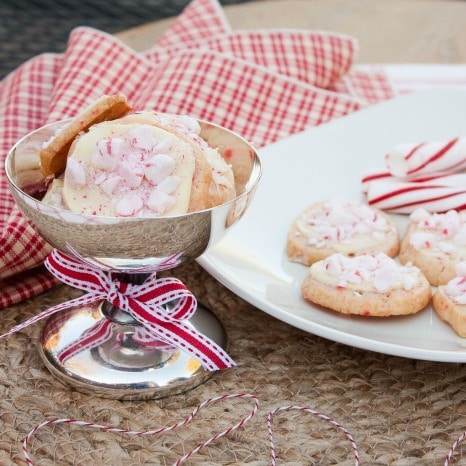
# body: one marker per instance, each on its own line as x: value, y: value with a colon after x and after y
x: 265, y: 85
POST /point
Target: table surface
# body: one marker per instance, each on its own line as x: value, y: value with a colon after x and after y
x: 388, y: 31
x: 400, y: 411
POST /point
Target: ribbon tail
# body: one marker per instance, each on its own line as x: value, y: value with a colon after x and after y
x: 96, y: 335
x: 177, y: 332
x: 203, y: 349
x: 86, y: 299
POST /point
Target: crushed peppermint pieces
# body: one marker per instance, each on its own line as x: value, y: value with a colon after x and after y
x: 380, y: 272
x: 445, y: 232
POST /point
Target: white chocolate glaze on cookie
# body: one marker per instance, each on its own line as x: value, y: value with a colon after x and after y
x: 375, y: 273
x: 339, y: 225
x: 368, y: 285
x: 211, y: 168
x: 456, y: 287
x: 435, y: 243
x: 449, y: 301
x: 128, y: 171
x: 108, y: 162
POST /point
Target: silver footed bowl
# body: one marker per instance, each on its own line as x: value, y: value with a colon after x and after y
x: 122, y: 367
x: 127, y: 243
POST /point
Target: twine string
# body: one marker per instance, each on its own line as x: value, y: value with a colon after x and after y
x: 160, y: 431
x: 227, y: 431
x: 455, y: 445
x: 304, y: 409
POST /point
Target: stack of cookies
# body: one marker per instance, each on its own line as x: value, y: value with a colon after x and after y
x: 350, y: 249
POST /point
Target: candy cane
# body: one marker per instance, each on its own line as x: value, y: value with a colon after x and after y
x: 405, y: 197
x: 153, y: 432
x: 374, y: 176
x: 427, y: 157
x: 457, y: 180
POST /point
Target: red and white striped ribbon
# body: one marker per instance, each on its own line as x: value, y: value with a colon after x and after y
x: 163, y: 430
x: 92, y: 337
x: 145, y: 303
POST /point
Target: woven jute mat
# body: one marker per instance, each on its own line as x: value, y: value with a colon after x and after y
x: 399, y: 411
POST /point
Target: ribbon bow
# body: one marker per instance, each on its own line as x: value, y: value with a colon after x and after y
x: 145, y: 303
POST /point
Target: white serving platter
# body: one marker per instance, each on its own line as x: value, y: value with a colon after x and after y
x: 327, y: 162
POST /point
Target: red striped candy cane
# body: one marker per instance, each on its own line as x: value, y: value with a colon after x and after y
x: 406, y: 197
x: 439, y: 179
x: 427, y: 157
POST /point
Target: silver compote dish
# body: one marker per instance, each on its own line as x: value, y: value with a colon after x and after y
x: 126, y: 363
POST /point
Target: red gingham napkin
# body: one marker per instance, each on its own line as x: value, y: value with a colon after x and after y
x: 265, y: 85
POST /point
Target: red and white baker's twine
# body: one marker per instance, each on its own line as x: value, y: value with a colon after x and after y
x: 229, y: 430
x: 453, y: 448
x: 145, y: 303
x: 156, y: 431
x: 303, y: 409
x: 189, y: 419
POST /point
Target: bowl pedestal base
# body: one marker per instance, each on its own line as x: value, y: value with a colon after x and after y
x: 106, y: 357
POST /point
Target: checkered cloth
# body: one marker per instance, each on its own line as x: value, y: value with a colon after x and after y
x: 265, y: 85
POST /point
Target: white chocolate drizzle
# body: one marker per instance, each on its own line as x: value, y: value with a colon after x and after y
x: 367, y: 272
x: 342, y: 221
x: 456, y: 287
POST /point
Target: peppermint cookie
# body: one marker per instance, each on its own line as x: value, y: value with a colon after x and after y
x: 449, y: 301
x: 368, y: 285
x: 213, y: 179
x: 340, y: 226
x: 54, y: 154
x: 435, y: 243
